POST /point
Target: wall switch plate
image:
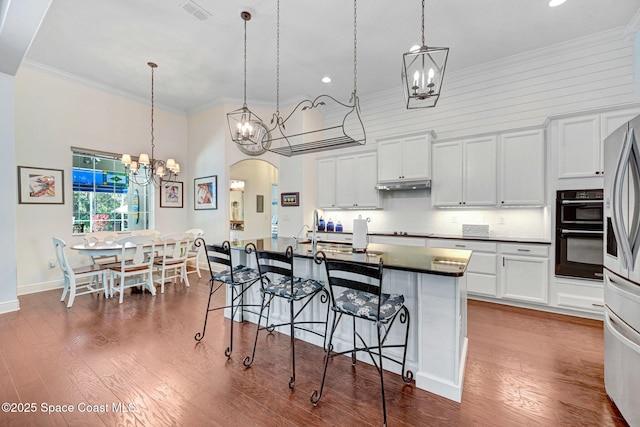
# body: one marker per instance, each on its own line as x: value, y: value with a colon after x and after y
x: 52, y: 263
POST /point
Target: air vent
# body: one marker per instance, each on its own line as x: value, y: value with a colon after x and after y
x: 196, y: 10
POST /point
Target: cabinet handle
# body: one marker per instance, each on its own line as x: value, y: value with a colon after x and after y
x: 597, y: 305
x: 524, y: 250
x: 503, y: 261
x: 461, y: 246
x: 597, y: 172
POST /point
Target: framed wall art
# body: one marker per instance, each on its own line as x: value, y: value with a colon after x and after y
x: 171, y: 194
x: 290, y: 199
x: 40, y: 185
x: 205, y: 193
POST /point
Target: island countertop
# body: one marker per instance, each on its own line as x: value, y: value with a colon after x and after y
x: 445, y: 262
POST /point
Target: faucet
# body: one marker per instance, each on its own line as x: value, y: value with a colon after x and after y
x: 297, y: 238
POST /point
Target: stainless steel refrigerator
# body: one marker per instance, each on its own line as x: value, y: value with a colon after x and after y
x: 622, y: 269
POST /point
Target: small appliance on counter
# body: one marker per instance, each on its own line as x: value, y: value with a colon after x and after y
x: 360, y: 230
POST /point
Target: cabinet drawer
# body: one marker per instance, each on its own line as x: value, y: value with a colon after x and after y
x: 526, y: 250
x: 482, y: 262
x: 481, y: 284
x: 463, y: 244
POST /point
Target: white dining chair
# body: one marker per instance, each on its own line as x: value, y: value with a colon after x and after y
x: 155, y: 233
x: 135, y: 267
x: 194, y: 251
x: 72, y: 275
x: 98, y: 237
x: 172, y: 263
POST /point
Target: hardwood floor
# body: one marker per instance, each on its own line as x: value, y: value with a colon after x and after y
x: 524, y: 368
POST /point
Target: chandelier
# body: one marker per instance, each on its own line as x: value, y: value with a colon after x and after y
x: 247, y: 129
x: 149, y: 170
x: 422, y: 73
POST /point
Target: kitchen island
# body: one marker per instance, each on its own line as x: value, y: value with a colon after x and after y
x: 434, y: 286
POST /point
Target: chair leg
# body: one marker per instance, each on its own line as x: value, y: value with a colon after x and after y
x: 292, y: 379
x: 234, y: 309
x: 200, y: 335
x: 65, y: 288
x: 381, y: 372
x: 248, y: 360
x: 317, y: 394
x: 183, y: 274
x: 72, y: 291
x: 353, y: 353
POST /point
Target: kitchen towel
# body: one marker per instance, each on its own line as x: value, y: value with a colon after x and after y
x: 360, y: 231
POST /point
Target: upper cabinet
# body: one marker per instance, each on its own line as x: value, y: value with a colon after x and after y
x: 464, y: 172
x: 348, y: 181
x: 580, y: 139
x: 522, y: 168
x: 404, y: 159
x: 579, y: 147
x: 327, y: 183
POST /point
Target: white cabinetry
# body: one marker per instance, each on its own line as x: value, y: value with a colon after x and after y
x: 482, y: 268
x: 327, y: 183
x: 524, y: 275
x: 404, y: 159
x: 356, y: 179
x: 580, y: 153
x: 522, y: 168
x: 464, y: 172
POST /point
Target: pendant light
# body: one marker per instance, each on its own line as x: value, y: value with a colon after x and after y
x: 423, y: 72
x: 149, y: 170
x: 246, y: 128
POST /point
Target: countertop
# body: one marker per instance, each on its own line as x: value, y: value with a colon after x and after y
x: 497, y: 239
x: 445, y: 262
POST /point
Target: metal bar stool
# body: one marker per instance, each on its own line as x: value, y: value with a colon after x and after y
x: 278, y: 280
x: 239, y: 278
x: 356, y: 291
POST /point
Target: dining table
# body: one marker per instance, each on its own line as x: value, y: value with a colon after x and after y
x: 94, y: 249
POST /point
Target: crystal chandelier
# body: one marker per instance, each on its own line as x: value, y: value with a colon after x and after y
x: 423, y: 72
x: 247, y: 129
x: 149, y: 170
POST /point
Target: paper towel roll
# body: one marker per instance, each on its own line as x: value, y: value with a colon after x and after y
x: 359, y: 235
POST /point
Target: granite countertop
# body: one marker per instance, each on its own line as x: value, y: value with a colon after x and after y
x: 498, y: 239
x: 445, y: 262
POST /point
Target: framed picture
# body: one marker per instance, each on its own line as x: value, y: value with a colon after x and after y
x: 290, y: 199
x: 171, y: 194
x: 259, y: 203
x: 205, y: 193
x: 40, y: 186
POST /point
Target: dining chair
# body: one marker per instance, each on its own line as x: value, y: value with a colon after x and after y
x: 73, y: 275
x: 155, y: 233
x: 278, y: 281
x: 135, y: 267
x: 172, y: 261
x: 356, y: 291
x: 194, y: 251
x: 237, y: 278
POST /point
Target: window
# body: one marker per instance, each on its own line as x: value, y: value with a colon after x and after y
x: 104, y: 198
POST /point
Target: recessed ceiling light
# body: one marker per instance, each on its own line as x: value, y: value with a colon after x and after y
x: 554, y: 3
x: 326, y: 79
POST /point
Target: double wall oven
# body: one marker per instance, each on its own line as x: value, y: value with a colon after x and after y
x: 579, y: 233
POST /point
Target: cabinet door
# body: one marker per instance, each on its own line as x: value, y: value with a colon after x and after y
x: 327, y: 183
x: 446, y: 186
x: 522, y: 167
x: 345, y: 185
x: 579, y: 147
x: 390, y: 155
x: 366, y: 178
x: 525, y: 278
x: 416, y: 158
x: 479, y: 186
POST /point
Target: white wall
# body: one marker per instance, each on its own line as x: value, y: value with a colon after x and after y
x: 54, y: 113
x: 8, y: 175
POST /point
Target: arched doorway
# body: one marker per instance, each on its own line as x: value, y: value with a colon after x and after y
x: 253, y: 199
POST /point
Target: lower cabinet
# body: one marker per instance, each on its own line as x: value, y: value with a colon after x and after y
x: 524, y: 274
x: 482, y: 271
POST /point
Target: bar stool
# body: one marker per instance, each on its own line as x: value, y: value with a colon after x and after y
x: 239, y: 279
x: 356, y: 291
x: 278, y: 280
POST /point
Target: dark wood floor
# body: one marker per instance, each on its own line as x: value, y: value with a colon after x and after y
x: 524, y: 368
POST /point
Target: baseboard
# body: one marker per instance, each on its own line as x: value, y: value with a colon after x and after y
x: 39, y: 287
x: 9, y: 306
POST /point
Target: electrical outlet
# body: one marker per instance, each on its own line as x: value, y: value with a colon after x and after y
x: 454, y: 219
x: 501, y: 221
x: 52, y: 263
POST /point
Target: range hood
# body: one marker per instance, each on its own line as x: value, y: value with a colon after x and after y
x: 405, y: 185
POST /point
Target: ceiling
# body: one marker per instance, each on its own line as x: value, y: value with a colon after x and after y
x: 200, y: 62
